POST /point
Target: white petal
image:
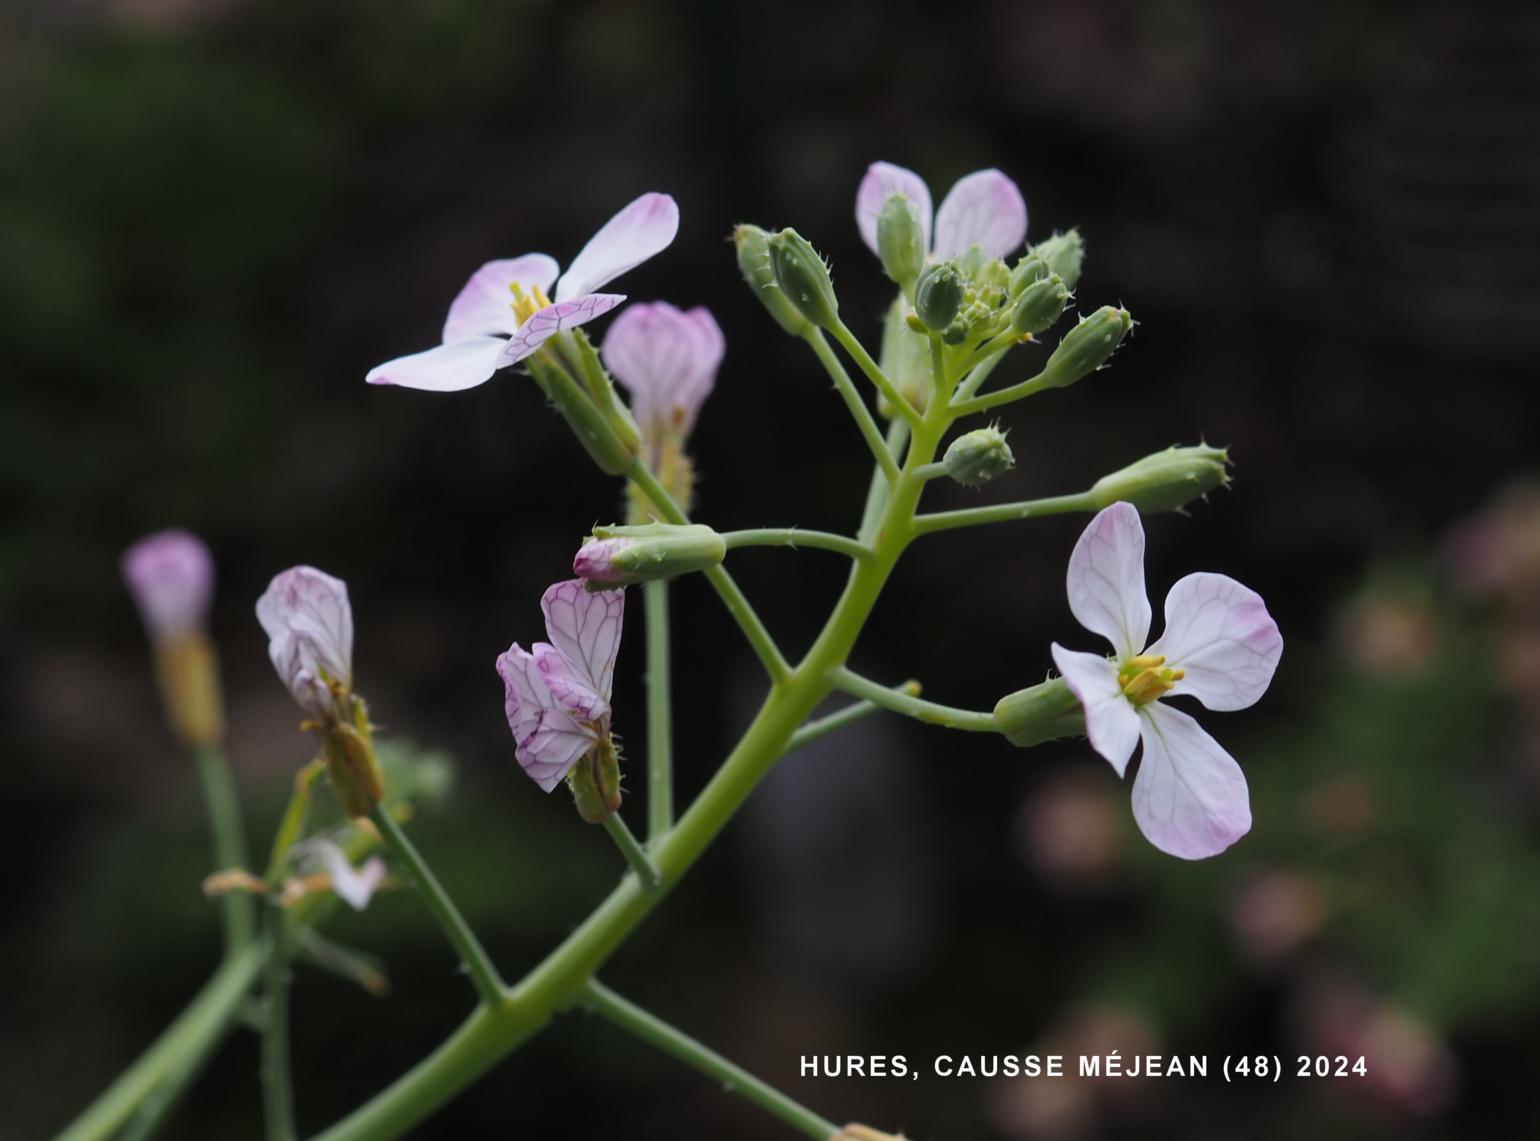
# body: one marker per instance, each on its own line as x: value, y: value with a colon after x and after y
x: 1111, y: 723
x: 984, y: 209
x: 1106, y: 579
x: 881, y: 182
x: 1190, y: 796
x: 545, y: 323
x: 1221, y: 634
x: 447, y: 368
x: 568, y: 687
x: 485, y: 305
x: 547, y: 741
x: 585, y: 626
x: 353, y: 887
x: 640, y: 230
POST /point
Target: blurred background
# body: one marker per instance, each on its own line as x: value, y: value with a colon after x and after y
x: 216, y: 215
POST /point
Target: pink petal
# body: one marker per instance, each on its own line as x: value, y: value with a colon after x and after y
x: 638, y: 232
x: 485, y: 305
x: 547, y: 741
x: 1221, y: 634
x: 667, y: 360
x: 568, y: 688
x: 309, y: 625
x: 984, y: 209
x: 171, y: 576
x: 1111, y: 722
x: 545, y: 323
x: 1190, y: 797
x: 585, y: 627
x: 881, y: 182
x: 447, y: 368
x: 1106, y: 579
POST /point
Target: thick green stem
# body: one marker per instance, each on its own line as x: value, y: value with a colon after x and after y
x: 796, y: 537
x: 633, y: 851
x: 898, y: 701
x: 224, y: 810
x: 856, y: 710
x: 489, y: 986
x: 277, y: 1092
x: 597, y: 997
x: 874, y: 373
x: 853, y: 401
x: 660, y: 730
x: 1003, y: 513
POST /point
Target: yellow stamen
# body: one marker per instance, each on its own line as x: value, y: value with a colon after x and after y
x: 1144, y: 677
x: 526, y: 305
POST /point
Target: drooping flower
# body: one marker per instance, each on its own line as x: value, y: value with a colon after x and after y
x: 171, y: 576
x: 309, y: 626
x: 667, y: 359
x: 354, y: 886
x: 503, y: 313
x: 1220, y: 646
x: 558, y: 692
x: 983, y: 209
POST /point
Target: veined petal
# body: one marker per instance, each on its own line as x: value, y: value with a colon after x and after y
x: 545, y: 323
x: 1111, y: 722
x: 881, y: 181
x: 1220, y: 633
x: 667, y: 360
x: 1106, y: 579
x: 447, y: 368
x: 642, y: 229
x: 569, y: 689
x: 485, y: 305
x: 309, y: 624
x: 1190, y: 797
x: 983, y: 209
x: 585, y: 626
x: 547, y: 741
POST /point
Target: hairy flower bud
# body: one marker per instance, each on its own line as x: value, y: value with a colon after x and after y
x: 1087, y: 346
x: 1039, y: 306
x: 753, y: 248
x: 619, y: 556
x: 901, y: 241
x: 1063, y: 254
x: 978, y: 456
x: 804, y: 278
x: 938, y: 295
x: 1165, y: 481
x: 1039, y: 713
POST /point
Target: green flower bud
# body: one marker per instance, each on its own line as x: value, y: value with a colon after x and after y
x: 938, y: 295
x: 595, y: 782
x: 1165, y: 481
x: 804, y: 278
x: 1039, y: 306
x: 619, y: 556
x: 1040, y: 713
x: 978, y: 456
x: 1029, y: 269
x: 900, y: 241
x: 1087, y: 346
x: 754, y: 264
x: 1063, y: 254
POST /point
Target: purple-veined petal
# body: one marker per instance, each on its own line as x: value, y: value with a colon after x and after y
x: 547, y: 741
x: 171, y: 576
x: 1190, y: 797
x: 881, y: 181
x: 309, y: 625
x: 667, y: 360
x: 984, y: 209
x: 1111, y: 722
x: 594, y: 560
x: 485, y: 305
x: 1221, y: 634
x: 1106, y: 579
x: 545, y: 323
x: 447, y: 368
x: 585, y: 627
x: 355, y: 887
x: 567, y: 685
x: 641, y: 230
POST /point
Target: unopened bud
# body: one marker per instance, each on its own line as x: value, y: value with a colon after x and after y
x: 938, y: 295
x: 619, y: 556
x: 595, y: 782
x: 978, y: 456
x: 1039, y: 713
x: 804, y: 278
x: 1063, y: 254
x: 1039, y: 306
x: 753, y: 248
x: 900, y: 241
x: 1165, y: 481
x: 1087, y: 346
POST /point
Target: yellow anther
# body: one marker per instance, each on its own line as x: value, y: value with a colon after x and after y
x: 1143, y: 678
x: 526, y: 305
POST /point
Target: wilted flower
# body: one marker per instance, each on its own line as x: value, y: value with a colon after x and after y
x: 171, y: 576
x: 1220, y: 645
x: 309, y: 626
x: 354, y: 886
x: 503, y: 314
x: 983, y: 209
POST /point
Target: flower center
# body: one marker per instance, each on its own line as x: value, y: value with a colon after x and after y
x: 1145, y: 677
x: 526, y: 305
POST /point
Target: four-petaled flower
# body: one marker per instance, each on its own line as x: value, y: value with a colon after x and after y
x: 171, y: 576
x: 983, y: 209
x: 668, y: 360
x: 1220, y: 646
x: 309, y: 626
x: 558, y: 694
x: 503, y: 314
x: 354, y: 886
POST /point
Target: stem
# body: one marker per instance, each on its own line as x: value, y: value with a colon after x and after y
x: 634, y: 853
x: 489, y: 986
x: 813, y: 730
x: 599, y: 999
x: 1020, y: 391
x: 875, y: 374
x: 238, y: 909
x: 277, y: 1093
x: 989, y: 356
x: 847, y: 390
x: 660, y: 732
x: 795, y: 537
x: 877, y: 492
x: 1003, y: 513
x: 897, y: 701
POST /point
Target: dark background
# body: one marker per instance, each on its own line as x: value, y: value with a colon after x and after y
x: 215, y: 217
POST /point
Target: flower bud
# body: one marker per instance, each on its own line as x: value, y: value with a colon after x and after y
x: 1087, y: 346
x: 754, y: 264
x: 1165, y: 481
x: 595, y: 782
x: 619, y: 556
x: 1039, y: 306
x: 900, y: 241
x: 979, y: 456
x: 804, y: 278
x: 309, y: 626
x: 1063, y: 254
x: 938, y: 295
x: 1040, y: 713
